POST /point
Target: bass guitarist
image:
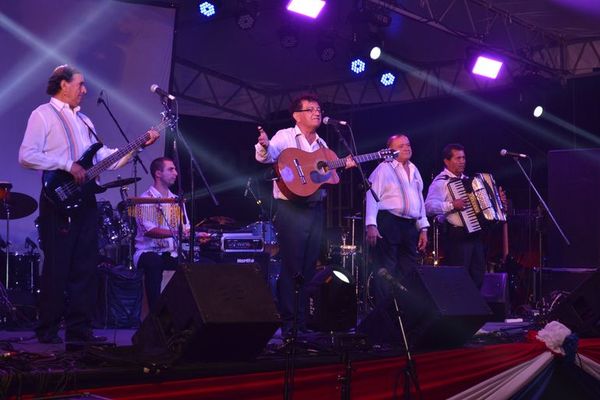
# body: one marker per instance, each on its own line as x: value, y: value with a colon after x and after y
x: 299, y: 221
x: 57, y: 135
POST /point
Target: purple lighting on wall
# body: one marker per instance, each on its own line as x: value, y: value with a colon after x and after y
x: 487, y: 67
x: 310, y: 8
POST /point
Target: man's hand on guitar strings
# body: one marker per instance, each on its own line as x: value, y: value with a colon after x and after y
x: 78, y: 173
x: 154, y: 135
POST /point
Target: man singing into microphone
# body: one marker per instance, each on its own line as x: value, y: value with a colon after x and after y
x: 460, y: 248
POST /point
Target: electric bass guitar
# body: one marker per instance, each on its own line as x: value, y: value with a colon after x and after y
x: 300, y: 173
x: 60, y: 188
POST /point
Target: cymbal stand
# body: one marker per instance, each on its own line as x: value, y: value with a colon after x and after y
x: 131, y: 240
x: 349, y: 251
x: 7, y: 209
x: 5, y: 304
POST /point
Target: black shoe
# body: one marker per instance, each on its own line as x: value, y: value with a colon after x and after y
x: 86, y: 338
x: 49, y: 339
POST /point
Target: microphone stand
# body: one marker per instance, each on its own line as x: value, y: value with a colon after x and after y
x: 410, y: 370
x: 366, y: 187
x: 177, y: 136
x: 545, y: 207
x: 136, y: 158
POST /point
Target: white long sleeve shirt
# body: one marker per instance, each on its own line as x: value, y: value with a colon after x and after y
x: 399, y: 193
x: 283, y: 139
x: 49, y: 145
x: 439, y: 202
x: 150, y: 216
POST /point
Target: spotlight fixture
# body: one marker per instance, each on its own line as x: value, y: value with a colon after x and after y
x: 375, y: 53
x: 309, y: 8
x: 358, y: 66
x: 538, y: 111
x: 207, y: 8
x: 246, y: 14
x: 487, y: 67
x: 326, y: 50
x: 288, y: 37
x: 387, y: 79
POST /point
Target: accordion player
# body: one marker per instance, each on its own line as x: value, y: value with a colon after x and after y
x: 482, y: 199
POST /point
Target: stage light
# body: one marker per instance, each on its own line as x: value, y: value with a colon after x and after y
x: 358, y: 66
x: 246, y: 14
x: 387, y: 79
x: 375, y: 53
x: 486, y: 66
x: 309, y: 8
x: 331, y: 301
x: 325, y: 51
x: 288, y: 37
x: 538, y: 111
x: 207, y: 8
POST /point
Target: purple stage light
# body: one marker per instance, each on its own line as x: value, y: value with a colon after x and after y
x: 310, y: 8
x: 207, y: 8
x: 487, y: 67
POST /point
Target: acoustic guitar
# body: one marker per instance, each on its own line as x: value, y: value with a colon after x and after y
x: 301, y: 173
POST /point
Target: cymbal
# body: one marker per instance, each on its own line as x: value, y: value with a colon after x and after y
x: 151, y: 200
x: 18, y: 204
x: 121, y: 182
x: 354, y: 217
x: 218, y: 222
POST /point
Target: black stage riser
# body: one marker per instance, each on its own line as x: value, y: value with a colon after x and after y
x: 211, y: 312
x: 443, y: 308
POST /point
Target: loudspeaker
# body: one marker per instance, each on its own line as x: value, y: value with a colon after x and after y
x: 331, y: 301
x: 495, y: 292
x: 119, y: 297
x: 210, y: 312
x: 441, y: 308
x: 580, y: 311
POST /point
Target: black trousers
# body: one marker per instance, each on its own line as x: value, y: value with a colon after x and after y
x: 465, y: 249
x: 396, y: 252
x: 153, y: 265
x: 299, y: 231
x: 69, y: 275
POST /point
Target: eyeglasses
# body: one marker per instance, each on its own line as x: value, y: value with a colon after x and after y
x: 312, y: 110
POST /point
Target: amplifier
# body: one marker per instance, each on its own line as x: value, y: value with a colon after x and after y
x: 241, y: 242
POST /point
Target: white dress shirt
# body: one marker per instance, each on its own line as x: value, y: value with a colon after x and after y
x: 399, y: 193
x: 46, y: 145
x: 150, y: 216
x: 283, y: 139
x: 439, y: 202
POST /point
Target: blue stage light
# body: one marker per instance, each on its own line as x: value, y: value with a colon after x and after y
x: 357, y: 66
x: 207, y: 8
x: 387, y: 79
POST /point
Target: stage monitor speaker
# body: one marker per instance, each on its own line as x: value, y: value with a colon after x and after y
x: 442, y: 308
x: 495, y: 292
x: 331, y: 301
x: 580, y: 311
x: 210, y: 312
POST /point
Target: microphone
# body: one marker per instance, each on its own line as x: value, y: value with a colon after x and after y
x: 100, y: 99
x: 384, y: 274
x: 331, y: 121
x: 247, y: 187
x: 156, y: 89
x: 30, y: 243
x: 505, y: 153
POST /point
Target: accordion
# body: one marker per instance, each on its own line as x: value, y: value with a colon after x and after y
x: 482, y: 201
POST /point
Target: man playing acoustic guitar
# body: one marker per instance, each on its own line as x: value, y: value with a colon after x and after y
x: 299, y: 221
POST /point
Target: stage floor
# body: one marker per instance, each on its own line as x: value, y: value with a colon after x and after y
x: 44, y: 369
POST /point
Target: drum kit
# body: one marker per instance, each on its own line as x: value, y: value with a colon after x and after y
x: 20, y: 270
